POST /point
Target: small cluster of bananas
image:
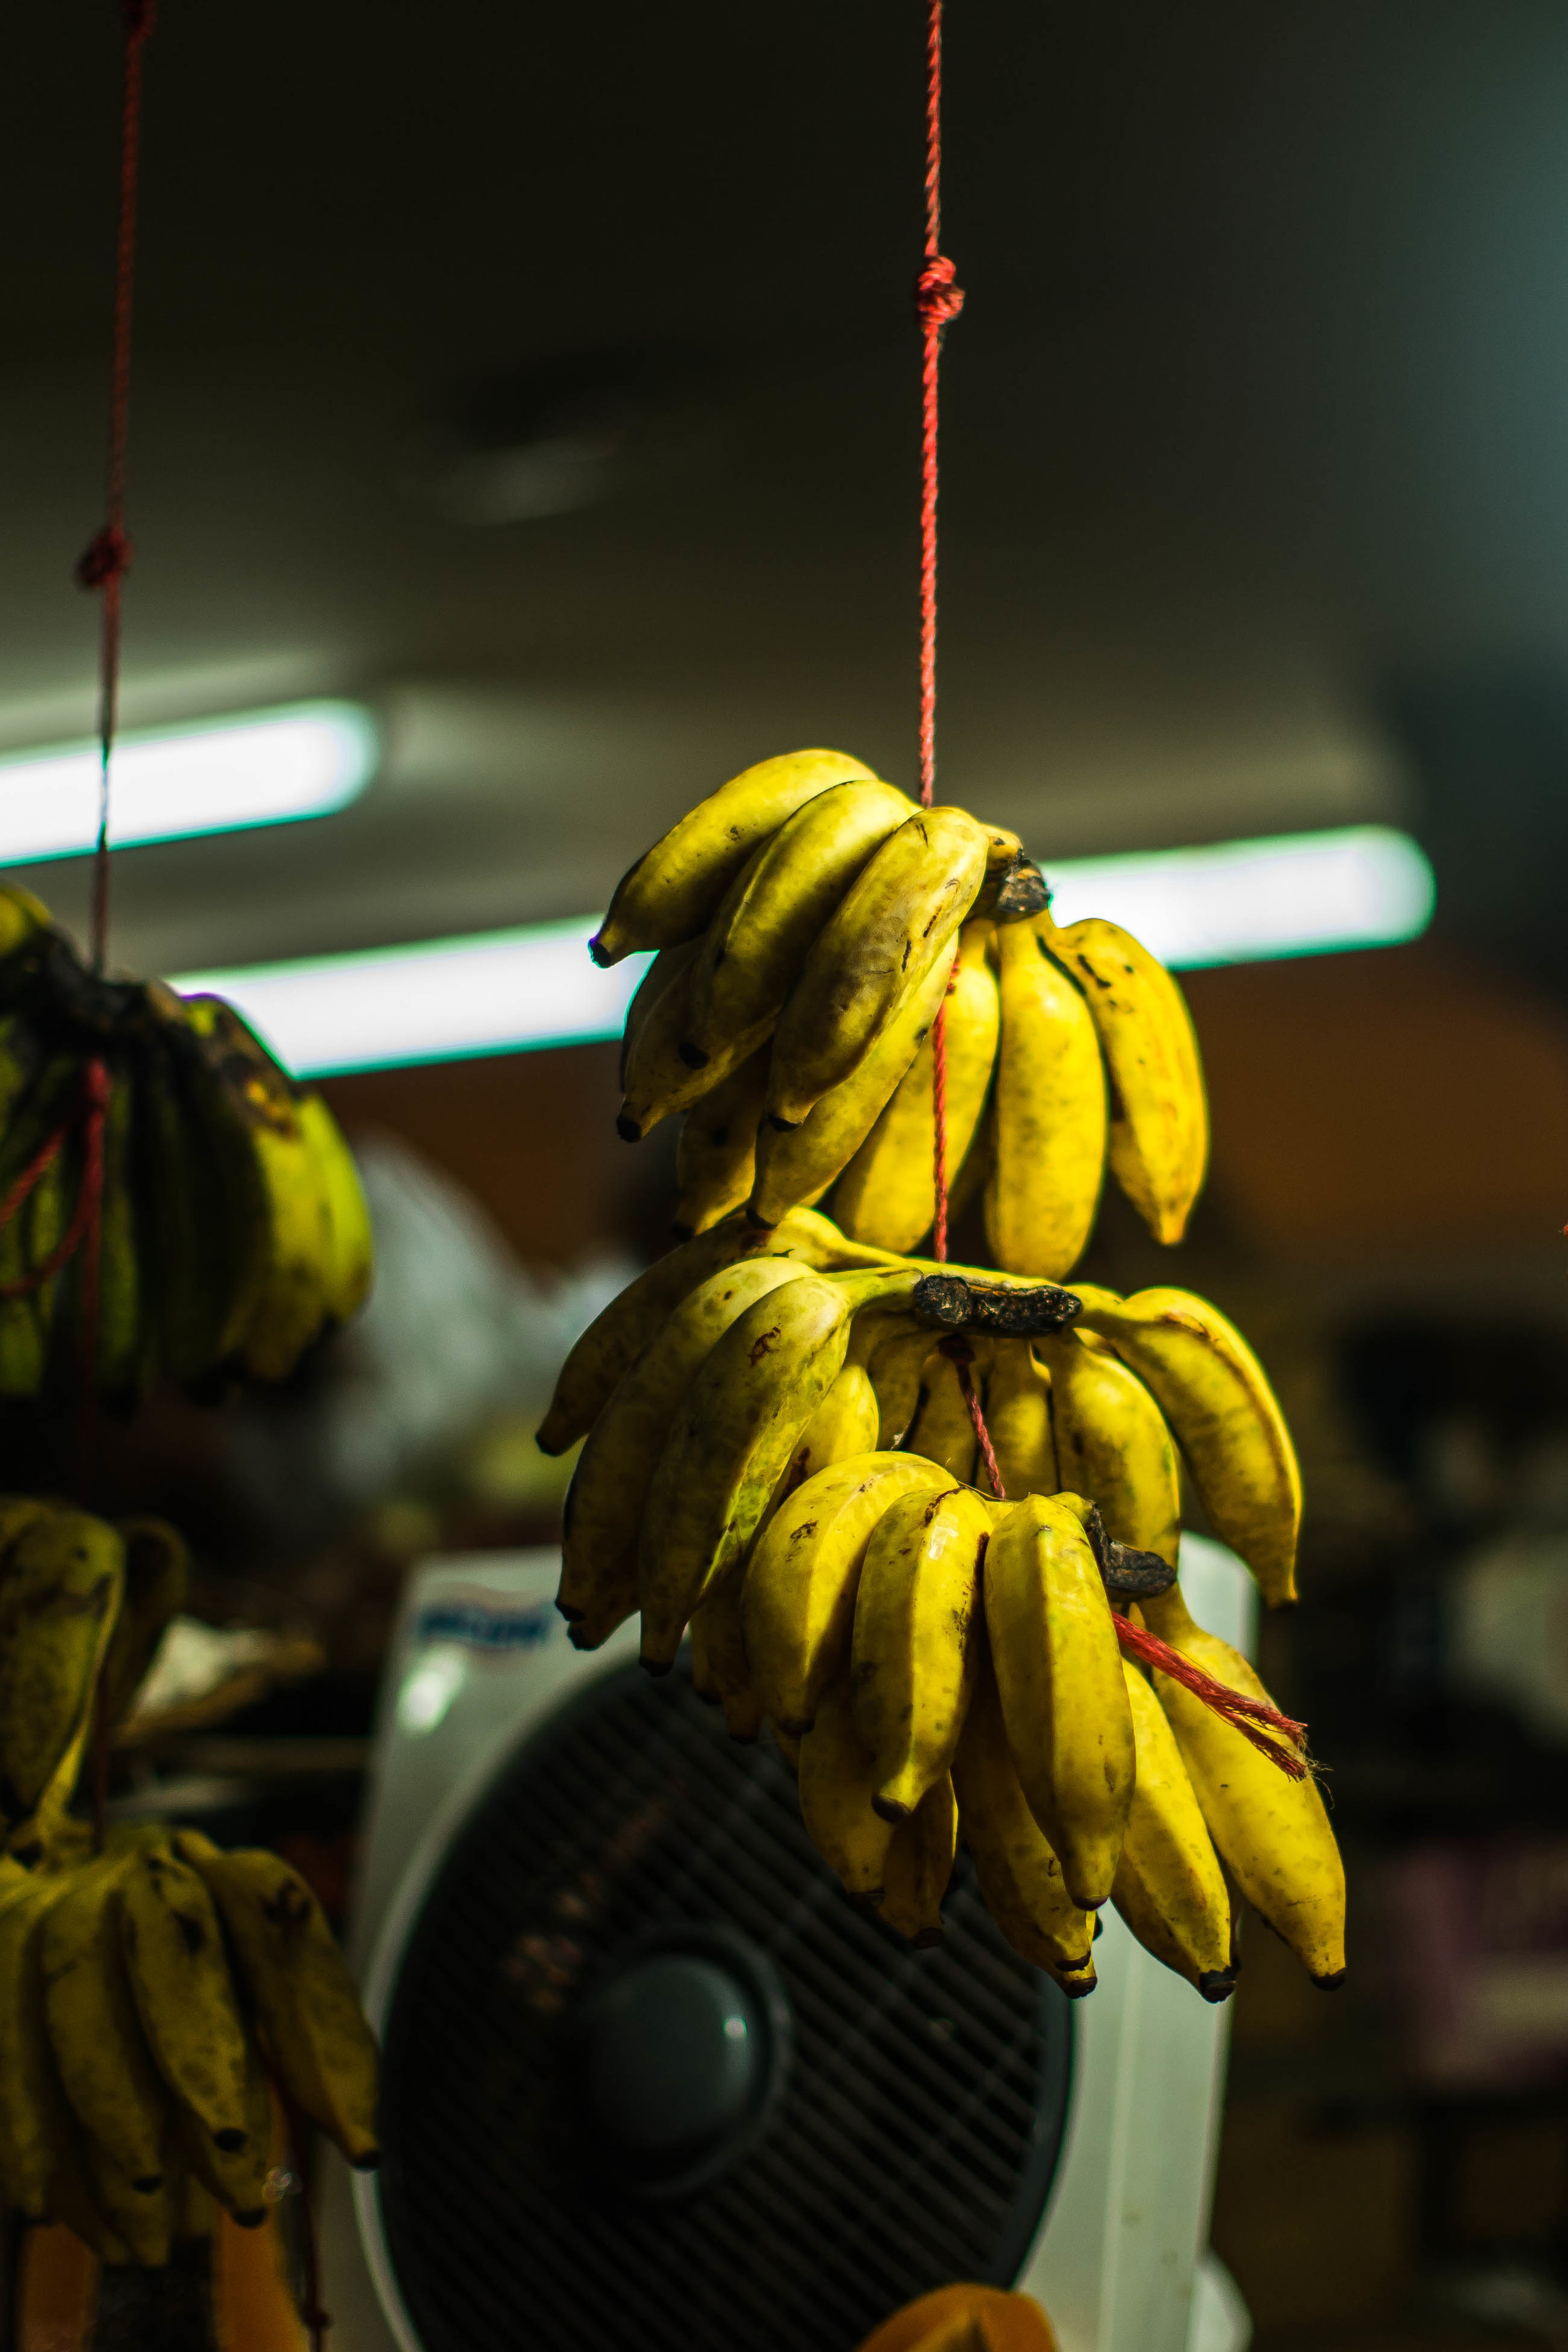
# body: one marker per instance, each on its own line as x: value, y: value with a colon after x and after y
x: 150, y: 1996
x: 810, y: 922
x: 232, y: 1227
x: 147, y: 1993
x: 776, y: 1425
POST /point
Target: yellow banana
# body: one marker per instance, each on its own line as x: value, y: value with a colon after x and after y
x: 1113, y: 1443
x: 157, y: 1572
x: 917, y: 1612
x: 1272, y: 1832
x: 22, y: 919
x: 675, y: 886
x: 351, y: 1247
x: 617, y: 1337
x: 887, y: 1193
x: 659, y: 1080
x: 889, y: 929
x: 799, y: 1163
x: 174, y: 1955
x: 1159, y: 1126
x: 26, y: 2091
x: 236, y: 2177
x: 299, y: 1987
x: 731, y: 1439
x: 1019, y: 1416
x: 1051, y: 1115
x: 1169, y: 1887
x: 753, y: 949
x: 918, y: 1866
x: 835, y: 1798
x: 670, y: 965
x: 1222, y: 1413
x: 844, y: 1425
x: 1019, y: 1875
x: 797, y: 1605
x: 1058, y: 1670
x: 58, y: 1601
x: 895, y: 1356
x: 263, y: 1106
x: 716, y: 1159
x: 943, y: 1427
x: 105, y: 2066
x: 609, y: 1490
x: 719, y: 1667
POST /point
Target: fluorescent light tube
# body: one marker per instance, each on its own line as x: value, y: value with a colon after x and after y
x: 268, y: 767
x: 509, y: 992
x: 442, y: 1001
x: 1250, y: 901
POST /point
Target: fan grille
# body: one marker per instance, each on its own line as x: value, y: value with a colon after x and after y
x: 920, y: 2123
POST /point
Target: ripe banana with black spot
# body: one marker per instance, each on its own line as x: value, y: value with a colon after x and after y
x: 799, y: 1163
x: 753, y: 952
x: 912, y: 1657
x: 674, y: 888
x: 797, y: 1605
x: 887, y: 1195
x: 301, y: 1989
x: 1058, y: 1671
x: 888, y: 931
x: 1113, y: 1443
x: 1019, y: 1874
x: 605, y: 1505
x: 1169, y: 1887
x: 1272, y: 1832
x: 185, y: 1995
x: 1219, y: 1407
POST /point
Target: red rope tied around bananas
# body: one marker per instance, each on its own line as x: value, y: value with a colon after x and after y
x: 1255, y: 1718
x: 107, y: 560
x: 938, y: 301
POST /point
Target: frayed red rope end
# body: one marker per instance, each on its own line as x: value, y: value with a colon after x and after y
x: 1247, y: 1715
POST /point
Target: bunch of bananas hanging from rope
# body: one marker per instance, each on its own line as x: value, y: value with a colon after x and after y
x: 154, y: 1995
x: 809, y: 922
x: 231, y: 1230
x: 782, y: 1431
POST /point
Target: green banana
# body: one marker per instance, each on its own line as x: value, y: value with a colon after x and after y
x: 58, y: 1601
x: 105, y: 2066
x: 674, y: 888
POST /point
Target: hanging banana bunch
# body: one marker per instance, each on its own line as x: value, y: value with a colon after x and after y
x: 231, y: 1230
x: 155, y: 1994
x: 808, y: 922
x: 781, y: 1456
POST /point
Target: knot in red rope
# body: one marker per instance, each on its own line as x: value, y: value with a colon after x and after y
x: 938, y: 299
x: 107, y: 557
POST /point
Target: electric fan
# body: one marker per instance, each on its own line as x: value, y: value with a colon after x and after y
x: 651, y: 2080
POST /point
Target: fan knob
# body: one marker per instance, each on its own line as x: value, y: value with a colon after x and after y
x: 673, y: 2051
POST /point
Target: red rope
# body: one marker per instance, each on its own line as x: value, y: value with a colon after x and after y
x: 107, y: 557
x: 84, y: 1225
x: 1243, y: 1713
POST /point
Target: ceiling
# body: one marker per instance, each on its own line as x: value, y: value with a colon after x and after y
x: 547, y: 378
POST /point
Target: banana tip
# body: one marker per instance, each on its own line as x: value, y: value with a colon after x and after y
x: 367, y: 2161
x: 758, y: 1222
x: 683, y: 1233
x: 231, y: 2139
x: 891, y: 1809
x: 1218, y: 1984
x: 627, y: 1127
x: 252, y: 2217
x: 1331, y: 1981
x: 783, y: 1125
x: 599, y: 951
x: 546, y: 1445
x: 655, y: 1665
x: 573, y: 1616
x: 1078, y: 1988
x: 693, y: 1055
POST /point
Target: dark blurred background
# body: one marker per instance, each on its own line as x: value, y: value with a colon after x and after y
x: 546, y: 380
